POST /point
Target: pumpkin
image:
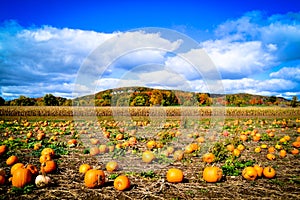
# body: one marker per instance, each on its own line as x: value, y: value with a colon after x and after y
x: 174, y: 175
x: 3, y: 149
x: 72, y: 142
x: 112, y: 166
x: 230, y: 147
x: 48, y: 151
x: 33, y: 169
x: 208, y: 157
x: 241, y: 147
x: 178, y: 155
x: 122, y: 182
x: 15, y: 167
x: 295, y: 151
x: 94, y: 151
x: 148, y: 156
x: 243, y: 138
x: 84, y: 168
x: 271, y: 156
x: 259, y: 170
x: 48, y: 166
x: 94, y: 178
x: 212, y: 174
x: 21, y: 177
x: 2, y: 180
x: 45, y: 158
x: 282, y: 153
x: 12, y: 160
x: 249, y: 173
x: 269, y: 172
x: 42, y: 180
x: 271, y: 149
x: 151, y: 144
x: 236, y: 152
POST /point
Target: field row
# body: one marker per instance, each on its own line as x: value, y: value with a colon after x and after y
x: 150, y: 111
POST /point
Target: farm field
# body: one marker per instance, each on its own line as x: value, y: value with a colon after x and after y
x: 189, y: 139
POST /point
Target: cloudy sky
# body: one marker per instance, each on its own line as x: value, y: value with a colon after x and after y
x: 71, y: 48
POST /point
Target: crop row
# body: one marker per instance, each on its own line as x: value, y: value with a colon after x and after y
x: 149, y: 111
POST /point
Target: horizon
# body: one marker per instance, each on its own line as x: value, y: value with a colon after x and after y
x: 253, y: 46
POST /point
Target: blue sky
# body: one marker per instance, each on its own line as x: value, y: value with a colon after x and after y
x: 44, y: 45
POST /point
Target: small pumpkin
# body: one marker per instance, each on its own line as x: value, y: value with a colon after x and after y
x: 122, y: 182
x: 48, y: 166
x: 21, y: 177
x: 230, y: 147
x: 249, y: 173
x: 94, y: 151
x: 94, y: 178
x: 12, y: 160
x: 259, y: 170
x: 208, y: 157
x: 212, y: 174
x: 112, y: 166
x: 271, y: 156
x: 269, y: 172
x: 84, y: 168
x: 33, y: 169
x: 45, y: 158
x: 178, y: 155
x: 295, y: 151
x: 282, y: 153
x: 48, y: 151
x: 3, y: 149
x: 296, y: 144
x: 148, y: 156
x: 2, y: 180
x: 174, y: 175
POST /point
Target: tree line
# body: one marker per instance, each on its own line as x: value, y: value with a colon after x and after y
x: 142, y: 96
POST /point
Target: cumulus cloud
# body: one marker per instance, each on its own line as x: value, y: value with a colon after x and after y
x: 39, y: 60
x: 289, y: 73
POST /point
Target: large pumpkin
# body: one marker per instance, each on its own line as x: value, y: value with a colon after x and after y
x: 21, y: 177
x: 212, y: 174
x: 269, y: 172
x: 94, y: 178
x: 15, y: 167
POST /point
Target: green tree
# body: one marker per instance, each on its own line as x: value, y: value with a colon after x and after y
x: 2, y: 101
x: 294, y: 101
x: 139, y: 100
x: 50, y: 100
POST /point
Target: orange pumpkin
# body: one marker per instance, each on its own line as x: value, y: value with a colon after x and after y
x: 208, y: 157
x: 3, y: 149
x: 45, y: 158
x: 94, y: 151
x: 12, y: 160
x: 178, y: 155
x: 33, y: 169
x: 48, y: 151
x: 112, y: 166
x: 48, y: 166
x: 2, y: 180
x: 230, y: 147
x: 174, y: 175
x: 269, y: 172
x: 249, y: 173
x: 84, y: 168
x: 21, y: 177
x: 296, y: 144
x: 148, y: 156
x: 94, y: 178
x: 259, y: 170
x: 212, y: 174
x: 122, y: 182
x: 15, y: 167
x: 243, y: 138
x: 282, y: 153
x: 271, y: 156
x: 151, y: 144
x: 236, y: 152
x: 295, y: 151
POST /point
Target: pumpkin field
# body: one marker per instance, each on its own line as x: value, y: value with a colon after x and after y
x: 246, y: 153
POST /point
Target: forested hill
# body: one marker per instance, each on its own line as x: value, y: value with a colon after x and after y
x: 143, y: 96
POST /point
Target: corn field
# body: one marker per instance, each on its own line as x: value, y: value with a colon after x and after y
x: 149, y: 111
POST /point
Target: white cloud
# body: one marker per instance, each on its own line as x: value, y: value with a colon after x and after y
x: 290, y: 73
